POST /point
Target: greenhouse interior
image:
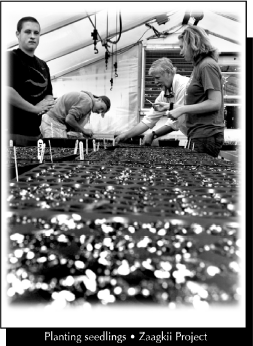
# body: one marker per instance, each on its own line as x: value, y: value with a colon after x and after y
x: 123, y: 193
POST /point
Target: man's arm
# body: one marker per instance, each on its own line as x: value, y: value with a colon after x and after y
x: 49, y: 97
x: 147, y: 122
x: 159, y: 132
x: 83, y: 121
x: 18, y: 101
x: 164, y: 130
x: 135, y: 131
x: 71, y: 121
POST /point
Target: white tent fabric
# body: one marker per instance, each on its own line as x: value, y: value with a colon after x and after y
x: 66, y: 40
x: 96, y: 78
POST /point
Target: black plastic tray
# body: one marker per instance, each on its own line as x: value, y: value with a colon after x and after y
x: 90, y: 253
x: 66, y: 143
x: 168, y: 143
x: 173, y: 225
x: 126, y: 191
x: 229, y: 147
x: 21, y: 169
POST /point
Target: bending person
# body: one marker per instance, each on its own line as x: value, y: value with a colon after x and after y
x: 204, y: 107
x: 173, y: 85
x: 71, y: 113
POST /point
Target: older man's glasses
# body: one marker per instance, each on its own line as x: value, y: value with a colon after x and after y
x: 169, y: 94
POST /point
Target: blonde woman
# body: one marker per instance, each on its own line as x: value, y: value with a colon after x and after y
x: 204, y: 106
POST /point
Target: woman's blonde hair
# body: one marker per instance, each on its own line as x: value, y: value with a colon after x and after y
x: 197, y: 39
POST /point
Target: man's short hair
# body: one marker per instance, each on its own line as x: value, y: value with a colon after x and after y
x: 24, y: 20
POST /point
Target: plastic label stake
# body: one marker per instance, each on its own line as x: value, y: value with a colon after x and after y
x: 94, y: 145
x: 50, y: 151
x: 16, y: 165
x: 76, y: 147
x: 87, y: 147
x: 43, y: 152
x: 81, y: 150
x: 40, y: 148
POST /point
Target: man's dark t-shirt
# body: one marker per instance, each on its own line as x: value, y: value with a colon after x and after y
x: 30, y: 77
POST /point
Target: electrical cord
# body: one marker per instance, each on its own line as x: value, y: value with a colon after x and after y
x: 120, y: 30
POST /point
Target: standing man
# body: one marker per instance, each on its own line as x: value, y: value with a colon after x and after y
x: 172, y: 96
x: 29, y: 88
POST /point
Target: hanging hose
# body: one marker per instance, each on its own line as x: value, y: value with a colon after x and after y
x: 95, y: 44
x: 107, y: 55
x: 115, y: 64
x: 120, y: 31
x: 107, y: 25
x: 94, y: 34
x: 111, y: 80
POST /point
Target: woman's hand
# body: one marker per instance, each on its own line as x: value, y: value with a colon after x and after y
x: 176, y: 113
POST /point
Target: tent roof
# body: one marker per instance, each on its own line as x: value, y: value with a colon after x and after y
x: 66, y: 27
